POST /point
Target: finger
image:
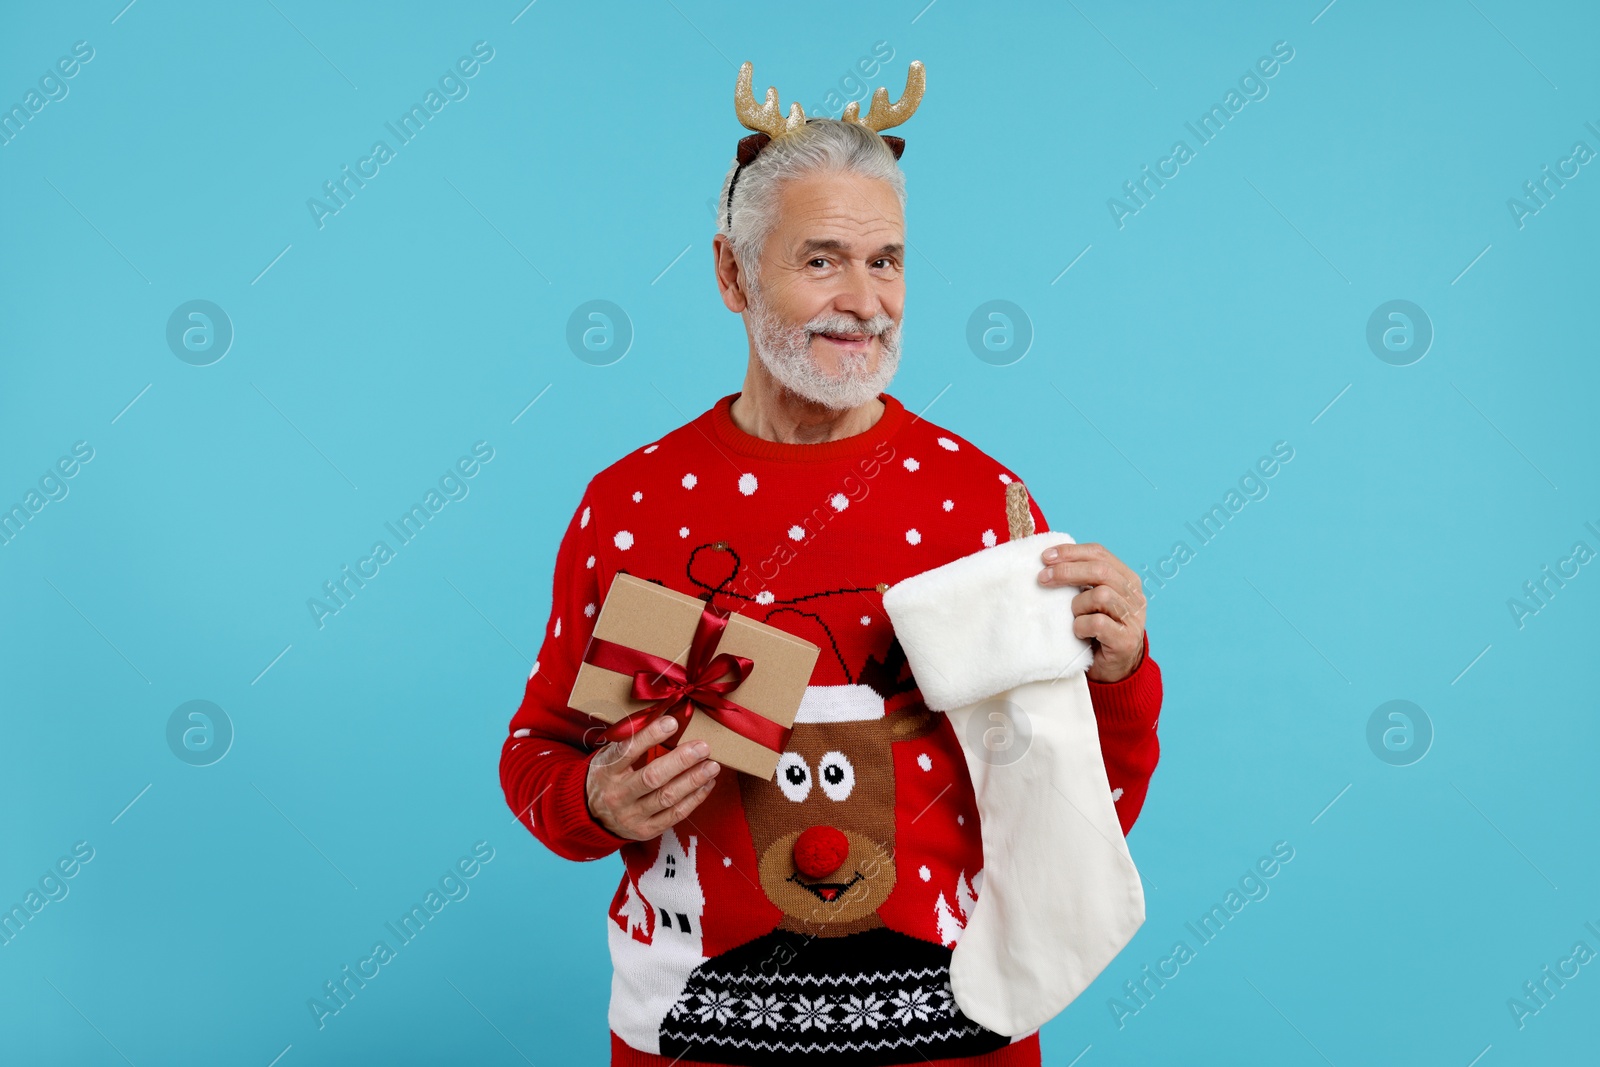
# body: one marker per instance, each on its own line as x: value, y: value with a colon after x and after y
x: 658, y: 772
x: 1067, y: 553
x: 1112, y: 635
x: 1124, y: 583
x: 1106, y: 601
x: 645, y: 741
x: 1091, y: 553
x: 618, y: 759
x: 1079, y: 572
x: 612, y: 759
x: 681, y: 786
x: 621, y: 758
x: 658, y: 824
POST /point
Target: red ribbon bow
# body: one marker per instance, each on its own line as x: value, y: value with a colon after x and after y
x: 702, y: 682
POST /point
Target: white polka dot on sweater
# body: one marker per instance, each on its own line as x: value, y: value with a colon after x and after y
x: 911, y: 464
x: 988, y: 539
x: 1005, y: 479
x: 797, y: 533
x: 584, y: 521
x: 948, y: 504
x: 924, y: 762
x: 588, y: 610
x: 765, y: 597
x: 683, y: 531
x: 637, y: 496
x: 747, y: 483
x: 690, y: 481
x: 727, y: 861
x: 558, y: 627
x: 924, y: 873
x: 524, y: 732
x: 913, y: 537
x: 535, y: 669
x: 961, y: 820
x: 866, y: 620
x: 948, y: 445
x: 590, y: 563
x: 651, y: 449
x: 839, y: 501
x: 1116, y: 794
x: 623, y: 540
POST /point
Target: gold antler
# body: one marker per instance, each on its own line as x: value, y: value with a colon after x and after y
x: 884, y: 115
x: 765, y: 118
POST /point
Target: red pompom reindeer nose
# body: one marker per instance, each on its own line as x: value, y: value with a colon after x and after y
x: 819, y: 851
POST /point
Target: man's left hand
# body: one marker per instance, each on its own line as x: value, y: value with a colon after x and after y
x: 1109, y: 612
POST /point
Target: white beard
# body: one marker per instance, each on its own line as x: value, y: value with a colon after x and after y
x: 786, y: 353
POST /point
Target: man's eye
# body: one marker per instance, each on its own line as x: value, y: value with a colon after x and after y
x: 818, y: 262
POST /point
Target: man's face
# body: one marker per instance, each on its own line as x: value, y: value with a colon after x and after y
x: 825, y: 312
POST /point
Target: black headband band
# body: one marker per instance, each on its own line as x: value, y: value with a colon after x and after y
x: 750, y: 147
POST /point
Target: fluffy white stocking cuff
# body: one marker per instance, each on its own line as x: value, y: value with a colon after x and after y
x: 1059, y: 895
x: 983, y: 624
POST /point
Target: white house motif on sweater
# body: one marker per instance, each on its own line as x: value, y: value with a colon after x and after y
x: 647, y: 978
x: 672, y: 889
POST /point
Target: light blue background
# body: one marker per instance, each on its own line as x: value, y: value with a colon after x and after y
x: 1225, y: 316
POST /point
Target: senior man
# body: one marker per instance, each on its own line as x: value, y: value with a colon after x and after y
x: 809, y: 917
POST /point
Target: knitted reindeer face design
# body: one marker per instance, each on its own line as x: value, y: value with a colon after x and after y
x: 824, y: 827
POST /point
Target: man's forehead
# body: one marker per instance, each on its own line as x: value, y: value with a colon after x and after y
x: 841, y: 215
x: 808, y: 245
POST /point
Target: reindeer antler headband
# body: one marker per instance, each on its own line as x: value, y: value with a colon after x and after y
x: 770, y: 123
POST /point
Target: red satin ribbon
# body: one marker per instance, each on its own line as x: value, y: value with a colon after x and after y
x: 677, y: 691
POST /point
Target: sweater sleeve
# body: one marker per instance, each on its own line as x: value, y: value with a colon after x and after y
x: 1126, y: 712
x: 544, y: 760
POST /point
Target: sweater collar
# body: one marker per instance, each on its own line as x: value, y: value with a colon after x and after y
x: 729, y: 434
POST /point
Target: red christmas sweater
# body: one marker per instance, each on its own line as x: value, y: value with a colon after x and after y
x: 722, y: 951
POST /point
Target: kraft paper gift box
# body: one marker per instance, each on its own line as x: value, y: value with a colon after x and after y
x: 642, y: 617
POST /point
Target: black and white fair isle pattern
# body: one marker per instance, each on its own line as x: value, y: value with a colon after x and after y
x: 874, y: 998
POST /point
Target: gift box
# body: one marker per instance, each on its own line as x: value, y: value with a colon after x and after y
x: 730, y: 681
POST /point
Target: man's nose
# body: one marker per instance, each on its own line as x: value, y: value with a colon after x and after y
x: 820, y: 850
x: 860, y: 296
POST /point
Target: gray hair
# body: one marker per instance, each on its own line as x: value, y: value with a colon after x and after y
x: 820, y: 146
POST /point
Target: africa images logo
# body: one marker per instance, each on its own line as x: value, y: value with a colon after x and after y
x: 452, y: 85
x: 1140, y: 191
x: 453, y: 485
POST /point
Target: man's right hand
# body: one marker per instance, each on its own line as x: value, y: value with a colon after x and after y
x: 639, y: 800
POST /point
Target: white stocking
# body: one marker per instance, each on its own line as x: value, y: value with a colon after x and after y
x: 1060, y: 896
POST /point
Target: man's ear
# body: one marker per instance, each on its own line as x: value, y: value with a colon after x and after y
x: 730, y: 277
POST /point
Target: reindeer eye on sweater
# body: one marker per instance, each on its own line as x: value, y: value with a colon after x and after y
x: 794, y: 777
x: 837, y: 774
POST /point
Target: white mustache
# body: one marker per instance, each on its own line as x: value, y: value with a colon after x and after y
x: 843, y: 324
